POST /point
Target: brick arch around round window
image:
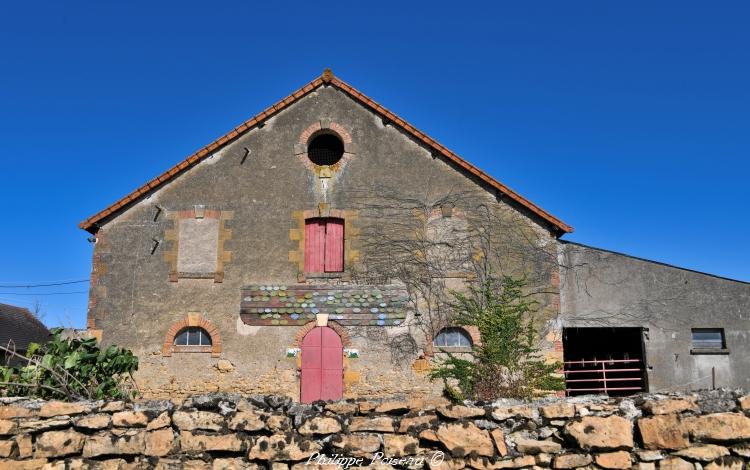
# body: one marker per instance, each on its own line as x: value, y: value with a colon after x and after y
x: 196, y: 320
x: 346, y: 340
x: 324, y: 126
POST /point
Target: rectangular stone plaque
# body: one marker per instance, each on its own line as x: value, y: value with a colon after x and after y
x: 198, y: 246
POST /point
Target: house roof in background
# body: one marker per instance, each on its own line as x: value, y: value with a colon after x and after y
x: 21, y: 326
x: 327, y: 78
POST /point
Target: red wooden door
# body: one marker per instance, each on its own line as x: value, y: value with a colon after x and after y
x: 334, y: 261
x: 324, y: 245
x: 322, y: 366
x: 315, y: 242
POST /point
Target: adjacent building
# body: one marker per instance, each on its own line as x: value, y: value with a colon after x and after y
x: 18, y: 328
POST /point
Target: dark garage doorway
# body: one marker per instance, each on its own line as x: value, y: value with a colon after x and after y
x: 604, y: 360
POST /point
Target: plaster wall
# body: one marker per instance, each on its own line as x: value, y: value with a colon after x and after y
x: 257, y: 183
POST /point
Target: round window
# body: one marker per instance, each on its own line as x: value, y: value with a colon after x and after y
x: 325, y: 149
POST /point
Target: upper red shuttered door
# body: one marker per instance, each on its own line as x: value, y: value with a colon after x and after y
x: 324, y: 245
x: 334, y: 261
x: 322, y: 375
x: 315, y: 242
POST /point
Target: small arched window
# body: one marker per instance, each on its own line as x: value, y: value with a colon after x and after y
x: 192, y: 336
x: 452, y: 338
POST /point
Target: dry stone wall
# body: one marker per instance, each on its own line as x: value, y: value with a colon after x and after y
x: 699, y: 431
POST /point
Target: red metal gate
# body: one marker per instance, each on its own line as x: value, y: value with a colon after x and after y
x: 610, y: 376
x: 322, y: 366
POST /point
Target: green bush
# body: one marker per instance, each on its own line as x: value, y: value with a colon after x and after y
x: 70, y: 369
x: 507, y: 363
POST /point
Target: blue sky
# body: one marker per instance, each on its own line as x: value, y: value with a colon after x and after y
x: 628, y: 120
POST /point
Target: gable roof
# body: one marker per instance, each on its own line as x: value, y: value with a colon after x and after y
x: 19, y: 325
x: 327, y: 78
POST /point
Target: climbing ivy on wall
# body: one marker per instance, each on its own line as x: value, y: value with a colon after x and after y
x: 507, y: 363
x: 69, y: 369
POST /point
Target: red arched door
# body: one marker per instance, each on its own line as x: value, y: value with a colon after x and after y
x: 322, y: 366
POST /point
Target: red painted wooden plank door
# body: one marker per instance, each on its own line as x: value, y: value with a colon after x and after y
x: 332, y: 365
x: 311, y: 376
x: 322, y: 366
x: 315, y: 241
x: 334, y: 261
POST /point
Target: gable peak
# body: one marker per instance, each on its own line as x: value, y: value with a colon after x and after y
x: 555, y: 225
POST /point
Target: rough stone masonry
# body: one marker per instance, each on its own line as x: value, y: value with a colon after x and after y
x: 699, y: 431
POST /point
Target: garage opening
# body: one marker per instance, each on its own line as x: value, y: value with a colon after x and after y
x: 604, y: 360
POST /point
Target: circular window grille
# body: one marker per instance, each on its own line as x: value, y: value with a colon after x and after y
x: 325, y: 149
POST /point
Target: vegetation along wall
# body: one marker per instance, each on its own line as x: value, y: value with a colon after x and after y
x: 700, y: 431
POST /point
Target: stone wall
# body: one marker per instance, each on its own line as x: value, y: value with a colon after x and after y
x: 701, y: 431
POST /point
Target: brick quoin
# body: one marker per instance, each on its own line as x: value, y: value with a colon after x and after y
x: 207, y: 214
x: 555, y: 279
x: 555, y: 303
x: 96, y: 289
x: 323, y: 212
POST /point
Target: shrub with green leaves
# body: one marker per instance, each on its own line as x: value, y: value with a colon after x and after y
x: 507, y: 363
x: 70, y: 369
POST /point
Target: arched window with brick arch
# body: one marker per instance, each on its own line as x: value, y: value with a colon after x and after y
x: 192, y: 334
x: 452, y: 338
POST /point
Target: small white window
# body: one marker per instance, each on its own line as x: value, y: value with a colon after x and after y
x: 452, y: 338
x: 192, y: 336
x: 708, y: 339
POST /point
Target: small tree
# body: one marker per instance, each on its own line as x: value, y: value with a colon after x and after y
x: 507, y: 363
x: 69, y: 369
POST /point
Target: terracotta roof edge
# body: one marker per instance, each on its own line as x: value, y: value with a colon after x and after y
x: 90, y: 224
x: 430, y: 142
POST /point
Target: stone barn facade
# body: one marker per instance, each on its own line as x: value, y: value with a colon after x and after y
x: 311, y: 252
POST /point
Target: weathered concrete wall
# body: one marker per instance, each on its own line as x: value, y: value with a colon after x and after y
x: 135, y: 301
x: 601, y: 288
x: 709, y: 430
